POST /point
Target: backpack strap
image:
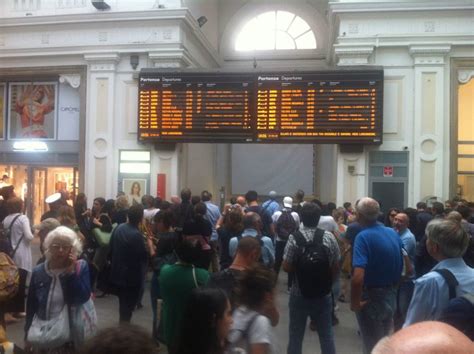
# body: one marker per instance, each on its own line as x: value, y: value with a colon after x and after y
x: 318, y: 236
x: 299, y: 239
x: 10, y: 238
x: 450, y: 279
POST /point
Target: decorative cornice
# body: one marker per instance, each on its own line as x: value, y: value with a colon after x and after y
x: 74, y: 80
x: 102, y: 61
x: 353, y: 54
x: 398, y: 6
x: 429, y: 54
x: 465, y: 75
x: 171, y: 58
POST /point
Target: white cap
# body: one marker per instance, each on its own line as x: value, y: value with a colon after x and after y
x: 272, y: 194
x: 288, y: 202
x: 53, y: 198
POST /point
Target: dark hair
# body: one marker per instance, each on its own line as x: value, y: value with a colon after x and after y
x: 310, y: 214
x: 14, y: 205
x: 421, y: 205
x: 318, y: 203
x: 233, y: 200
x: 80, y: 201
x: 157, y: 202
x: 387, y: 216
x: 233, y: 221
x: 187, y: 251
x: 199, y: 333
x: 135, y: 214
x: 331, y: 206
x: 195, y: 199
x: 125, y: 339
x: 299, y: 195
x: 463, y: 210
x: 346, y: 205
x: 255, y: 282
x: 109, y: 207
x: 412, y: 219
x: 165, y: 205
x: 100, y: 200
x: 206, y: 196
x: 250, y: 219
x: 185, y: 195
x: 200, y: 209
x: 164, y: 216
x: 437, y: 208
x: 147, y: 201
x: 251, y: 196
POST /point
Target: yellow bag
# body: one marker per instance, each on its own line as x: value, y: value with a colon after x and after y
x: 9, y: 278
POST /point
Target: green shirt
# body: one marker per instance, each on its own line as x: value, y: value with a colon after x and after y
x: 176, y: 284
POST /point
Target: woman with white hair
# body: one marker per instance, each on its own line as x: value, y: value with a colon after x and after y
x: 57, y: 285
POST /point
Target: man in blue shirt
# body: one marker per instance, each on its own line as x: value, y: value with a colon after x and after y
x: 212, y: 215
x: 252, y: 228
x: 377, y: 264
x: 405, y: 291
x: 446, y: 243
x: 271, y: 206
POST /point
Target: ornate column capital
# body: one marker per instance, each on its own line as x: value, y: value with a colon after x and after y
x: 171, y: 58
x: 74, y: 80
x: 352, y: 54
x: 102, y: 62
x: 429, y: 54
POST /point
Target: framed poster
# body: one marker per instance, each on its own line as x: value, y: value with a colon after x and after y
x: 3, y: 105
x: 32, y: 110
x: 134, y: 189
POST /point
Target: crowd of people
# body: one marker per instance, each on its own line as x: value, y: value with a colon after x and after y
x: 214, y: 272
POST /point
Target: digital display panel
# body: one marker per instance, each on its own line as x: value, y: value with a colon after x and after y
x: 341, y: 106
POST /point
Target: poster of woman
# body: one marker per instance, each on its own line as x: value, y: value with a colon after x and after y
x: 2, y: 110
x: 32, y: 110
x: 134, y: 189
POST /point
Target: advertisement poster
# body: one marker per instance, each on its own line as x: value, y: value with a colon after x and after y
x: 33, y: 110
x: 134, y: 189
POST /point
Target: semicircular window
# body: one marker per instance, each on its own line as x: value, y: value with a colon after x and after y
x: 275, y: 30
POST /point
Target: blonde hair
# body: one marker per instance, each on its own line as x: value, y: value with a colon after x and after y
x: 63, y: 233
x: 122, y: 202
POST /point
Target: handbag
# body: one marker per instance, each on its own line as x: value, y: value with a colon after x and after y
x: 102, y: 237
x: 9, y: 278
x: 83, y: 321
x: 52, y: 333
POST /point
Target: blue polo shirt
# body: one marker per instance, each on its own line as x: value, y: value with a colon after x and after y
x: 378, y: 249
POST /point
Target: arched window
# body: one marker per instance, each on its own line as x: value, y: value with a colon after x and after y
x: 275, y: 30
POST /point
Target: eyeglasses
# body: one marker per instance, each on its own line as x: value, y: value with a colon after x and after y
x: 55, y: 247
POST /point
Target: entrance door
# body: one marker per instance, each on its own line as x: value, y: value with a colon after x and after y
x: 39, y: 207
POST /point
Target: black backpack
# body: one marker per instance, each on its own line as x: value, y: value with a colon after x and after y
x: 5, y: 239
x: 460, y: 310
x: 312, y: 267
x: 285, y: 225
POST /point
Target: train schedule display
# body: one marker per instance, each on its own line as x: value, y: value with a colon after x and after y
x: 342, y: 107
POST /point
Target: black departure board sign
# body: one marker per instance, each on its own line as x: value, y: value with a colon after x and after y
x: 340, y: 106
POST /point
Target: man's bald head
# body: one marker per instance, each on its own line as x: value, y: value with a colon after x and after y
x: 400, y: 222
x: 428, y: 337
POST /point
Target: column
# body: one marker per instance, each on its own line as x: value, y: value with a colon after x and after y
x: 350, y: 173
x: 100, y: 166
x: 431, y: 122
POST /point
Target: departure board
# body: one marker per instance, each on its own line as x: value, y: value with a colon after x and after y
x: 339, y: 106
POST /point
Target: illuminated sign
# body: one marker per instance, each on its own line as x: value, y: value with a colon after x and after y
x: 309, y: 107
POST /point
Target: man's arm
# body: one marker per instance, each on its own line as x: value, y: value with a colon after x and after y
x: 356, y: 289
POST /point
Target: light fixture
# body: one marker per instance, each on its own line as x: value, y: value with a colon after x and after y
x: 30, y: 146
x: 134, y: 60
x: 202, y: 21
x: 100, y: 4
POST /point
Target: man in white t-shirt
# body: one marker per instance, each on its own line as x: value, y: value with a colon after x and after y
x: 149, y: 211
x: 284, y: 227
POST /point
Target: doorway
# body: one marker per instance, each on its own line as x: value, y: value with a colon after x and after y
x: 33, y: 184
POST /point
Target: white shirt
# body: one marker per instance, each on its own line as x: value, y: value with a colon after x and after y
x: 149, y: 214
x: 277, y: 215
x: 21, y: 227
x: 259, y: 332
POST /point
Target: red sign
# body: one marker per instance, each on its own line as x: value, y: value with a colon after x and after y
x: 161, y: 185
x: 388, y: 171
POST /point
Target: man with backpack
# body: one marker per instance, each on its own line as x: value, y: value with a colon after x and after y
x: 313, y: 255
x: 252, y: 206
x: 450, y: 278
x: 253, y: 228
x: 286, y: 223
